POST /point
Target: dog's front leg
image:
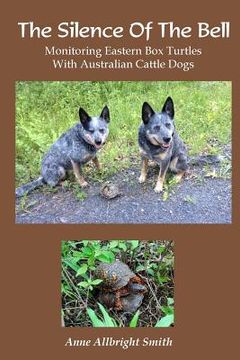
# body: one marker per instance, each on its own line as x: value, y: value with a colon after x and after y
x: 144, y: 169
x: 161, y: 177
x: 77, y: 172
x: 96, y: 163
x: 179, y: 176
x: 179, y: 166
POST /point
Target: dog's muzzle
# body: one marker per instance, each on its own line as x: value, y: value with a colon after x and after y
x: 98, y: 144
x: 164, y: 145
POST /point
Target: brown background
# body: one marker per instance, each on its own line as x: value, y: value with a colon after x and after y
x: 207, y: 302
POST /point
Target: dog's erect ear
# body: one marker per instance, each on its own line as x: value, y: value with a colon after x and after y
x: 84, y: 117
x: 168, y: 107
x: 105, y: 114
x: 147, y: 112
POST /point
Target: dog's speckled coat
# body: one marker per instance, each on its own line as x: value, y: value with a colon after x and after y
x: 74, y: 148
x: 158, y: 141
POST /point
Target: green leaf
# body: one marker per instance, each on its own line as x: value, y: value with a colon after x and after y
x: 134, y: 244
x: 163, y: 279
x: 170, y: 301
x: 83, y: 284
x: 106, y: 256
x: 108, y: 321
x: 153, y: 265
x: 87, y: 251
x: 150, y: 271
x: 133, y: 322
x: 140, y: 268
x: 122, y: 246
x: 167, y: 310
x: 161, y: 249
x: 96, y: 281
x: 71, y: 264
x: 95, y: 320
x: 82, y: 270
x: 113, y: 244
x: 65, y: 289
x: 77, y: 255
x: 165, y: 321
x: 92, y: 267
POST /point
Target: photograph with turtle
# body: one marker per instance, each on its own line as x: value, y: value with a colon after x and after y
x: 117, y: 283
x: 123, y: 152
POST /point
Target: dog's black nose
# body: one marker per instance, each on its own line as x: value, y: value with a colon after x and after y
x: 98, y: 142
x: 166, y: 139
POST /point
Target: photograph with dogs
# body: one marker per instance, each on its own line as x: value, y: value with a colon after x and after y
x: 123, y: 152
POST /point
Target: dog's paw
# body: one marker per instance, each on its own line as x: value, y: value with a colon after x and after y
x: 142, y: 179
x: 84, y: 184
x: 158, y: 188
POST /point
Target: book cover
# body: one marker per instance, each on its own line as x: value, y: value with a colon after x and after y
x: 120, y: 173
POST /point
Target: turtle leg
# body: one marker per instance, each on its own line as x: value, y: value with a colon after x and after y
x: 118, y: 303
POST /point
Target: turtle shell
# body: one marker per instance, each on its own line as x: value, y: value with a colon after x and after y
x: 132, y: 302
x: 115, y: 275
x: 108, y: 299
x: 129, y: 303
x: 109, y: 190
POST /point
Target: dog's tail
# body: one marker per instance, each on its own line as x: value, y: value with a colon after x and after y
x: 202, y: 160
x: 25, y: 189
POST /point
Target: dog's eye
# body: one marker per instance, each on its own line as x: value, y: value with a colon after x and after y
x: 91, y: 131
x: 157, y: 128
x: 102, y: 131
x: 168, y: 125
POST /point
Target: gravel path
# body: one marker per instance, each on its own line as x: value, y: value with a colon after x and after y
x: 198, y: 199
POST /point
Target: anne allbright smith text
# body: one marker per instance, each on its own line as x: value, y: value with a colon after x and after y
x: 124, y: 343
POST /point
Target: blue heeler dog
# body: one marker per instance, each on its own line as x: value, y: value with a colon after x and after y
x: 159, y: 142
x: 74, y: 148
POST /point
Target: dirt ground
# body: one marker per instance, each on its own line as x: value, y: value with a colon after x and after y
x: 199, y: 198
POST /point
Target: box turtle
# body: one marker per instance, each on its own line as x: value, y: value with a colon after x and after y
x: 121, y: 289
x: 110, y: 190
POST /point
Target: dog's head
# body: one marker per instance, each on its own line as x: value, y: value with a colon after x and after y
x: 95, y: 129
x: 159, y: 127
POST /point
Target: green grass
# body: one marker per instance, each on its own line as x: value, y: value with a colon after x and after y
x: 45, y: 109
